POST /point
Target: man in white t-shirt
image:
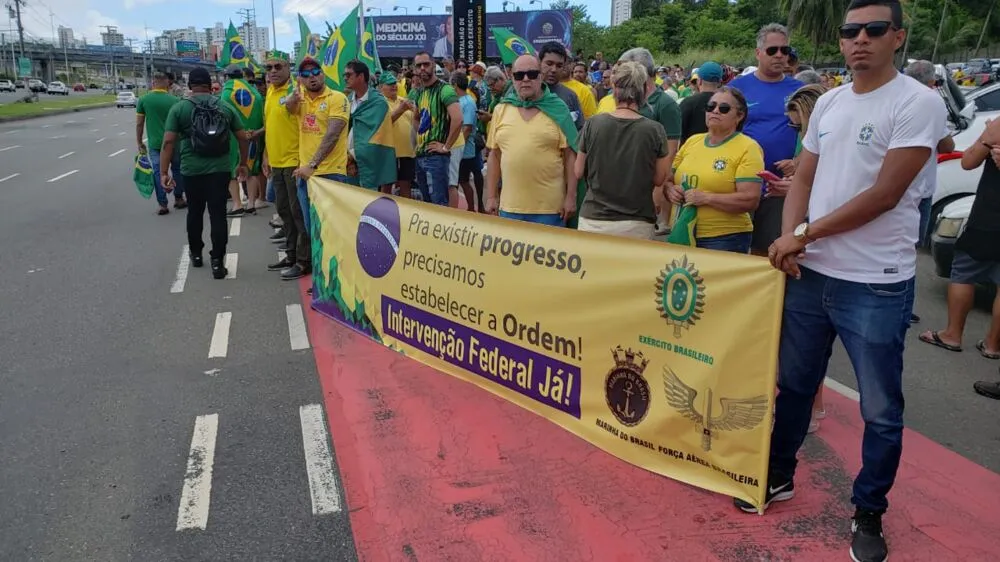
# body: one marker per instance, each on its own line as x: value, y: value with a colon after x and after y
x: 852, y: 262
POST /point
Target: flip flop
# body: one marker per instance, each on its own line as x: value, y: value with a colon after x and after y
x: 981, y: 346
x: 935, y: 339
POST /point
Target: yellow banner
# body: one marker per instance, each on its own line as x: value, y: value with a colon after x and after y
x: 664, y: 356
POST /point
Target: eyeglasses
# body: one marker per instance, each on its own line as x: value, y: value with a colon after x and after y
x: 796, y: 126
x: 773, y: 50
x: 723, y: 108
x: 529, y: 74
x: 271, y: 67
x: 309, y: 72
x: 873, y: 29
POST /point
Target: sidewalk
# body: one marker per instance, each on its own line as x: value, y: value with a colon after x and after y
x: 437, y: 469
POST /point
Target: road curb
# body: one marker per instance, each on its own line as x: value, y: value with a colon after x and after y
x: 52, y: 112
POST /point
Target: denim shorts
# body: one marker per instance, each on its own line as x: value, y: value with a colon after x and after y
x: 965, y: 270
x: 738, y: 243
x: 550, y: 219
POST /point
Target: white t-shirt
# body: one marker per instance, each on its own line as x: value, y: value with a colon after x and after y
x: 928, y: 175
x: 852, y: 133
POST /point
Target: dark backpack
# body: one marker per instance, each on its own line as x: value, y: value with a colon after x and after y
x: 209, y: 128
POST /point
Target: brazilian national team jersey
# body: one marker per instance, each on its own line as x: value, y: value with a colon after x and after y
x: 432, y: 118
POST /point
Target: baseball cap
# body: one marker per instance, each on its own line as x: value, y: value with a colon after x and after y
x: 481, y: 65
x: 234, y: 71
x: 309, y: 61
x: 199, y: 77
x: 711, y: 71
x: 793, y: 54
x: 387, y: 79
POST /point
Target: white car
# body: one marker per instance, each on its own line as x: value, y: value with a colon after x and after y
x: 6, y: 86
x: 125, y: 99
x: 950, y: 226
x: 57, y: 88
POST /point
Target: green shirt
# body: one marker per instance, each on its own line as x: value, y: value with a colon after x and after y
x: 155, y: 106
x: 179, y: 121
x: 433, y: 123
x: 664, y: 110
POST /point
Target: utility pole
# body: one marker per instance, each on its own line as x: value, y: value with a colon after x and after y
x: 986, y: 23
x: 909, y: 33
x: 108, y: 30
x: 20, y: 27
x: 937, y: 40
x: 249, y: 22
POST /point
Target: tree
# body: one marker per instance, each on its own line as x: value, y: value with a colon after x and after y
x: 814, y: 18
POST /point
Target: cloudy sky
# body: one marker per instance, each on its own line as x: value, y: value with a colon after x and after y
x: 139, y: 18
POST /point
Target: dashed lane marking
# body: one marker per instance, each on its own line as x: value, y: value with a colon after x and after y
x: 232, y: 262
x: 10, y: 177
x: 234, y: 226
x: 12, y: 147
x: 182, y: 271
x: 297, y: 334
x: 220, y: 335
x: 102, y: 139
x: 61, y: 176
x: 319, y: 461
x: 196, y: 495
x: 70, y: 153
x: 58, y: 137
x: 116, y: 153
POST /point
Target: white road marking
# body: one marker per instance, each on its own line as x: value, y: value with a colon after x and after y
x: 220, y: 335
x: 46, y: 126
x: 58, y: 137
x: 101, y: 139
x: 61, y: 176
x: 12, y: 132
x: 234, y: 227
x: 121, y: 133
x: 297, y: 334
x: 281, y: 255
x: 12, y: 147
x: 116, y: 153
x: 10, y: 177
x: 90, y: 119
x: 70, y: 122
x: 319, y: 461
x: 94, y: 130
x: 232, y: 262
x: 182, y: 271
x: 843, y: 389
x: 196, y: 495
x: 70, y: 153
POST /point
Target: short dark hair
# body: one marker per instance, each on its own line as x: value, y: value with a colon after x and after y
x: 553, y: 48
x: 361, y: 68
x: 423, y: 53
x: 459, y: 80
x: 248, y: 73
x: 894, y: 6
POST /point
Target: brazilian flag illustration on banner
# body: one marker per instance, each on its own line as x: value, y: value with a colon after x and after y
x: 340, y: 48
x: 235, y: 51
x: 369, y: 50
x: 511, y: 45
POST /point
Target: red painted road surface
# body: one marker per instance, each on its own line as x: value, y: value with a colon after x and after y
x: 436, y: 469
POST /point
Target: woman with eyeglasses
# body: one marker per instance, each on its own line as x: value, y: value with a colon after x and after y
x: 716, y: 173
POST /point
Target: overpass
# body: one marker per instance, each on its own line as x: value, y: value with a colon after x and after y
x: 93, y: 64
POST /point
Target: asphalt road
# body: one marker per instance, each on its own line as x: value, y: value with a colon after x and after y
x: 106, y: 379
x: 10, y: 97
x: 105, y: 372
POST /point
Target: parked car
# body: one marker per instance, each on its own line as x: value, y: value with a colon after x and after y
x: 19, y: 84
x: 36, y: 85
x: 7, y: 86
x: 125, y: 99
x: 57, y: 88
x: 950, y: 226
x: 93, y: 86
x: 78, y: 87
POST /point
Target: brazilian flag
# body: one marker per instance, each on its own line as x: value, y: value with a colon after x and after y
x: 369, y: 51
x: 683, y: 230
x: 142, y: 175
x: 340, y: 48
x: 249, y: 105
x: 373, y: 141
x: 511, y: 45
x: 235, y: 52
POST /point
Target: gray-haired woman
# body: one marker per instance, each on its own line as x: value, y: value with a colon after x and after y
x: 622, y: 157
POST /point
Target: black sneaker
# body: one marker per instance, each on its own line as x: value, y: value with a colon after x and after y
x: 275, y: 224
x: 914, y: 319
x: 282, y: 265
x: 180, y: 203
x: 295, y: 272
x: 277, y: 237
x: 988, y: 389
x: 283, y: 248
x: 196, y: 259
x: 776, y: 492
x: 219, y: 270
x: 868, y: 544
x: 236, y: 213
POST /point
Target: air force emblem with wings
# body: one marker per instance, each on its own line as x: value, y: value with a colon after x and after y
x: 737, y: 414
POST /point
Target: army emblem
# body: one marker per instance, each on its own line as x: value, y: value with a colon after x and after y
x: 737, y: 414
x: 680, y: 295
x: 626, y: 391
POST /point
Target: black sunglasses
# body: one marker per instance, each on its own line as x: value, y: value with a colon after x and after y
x: 530, y: 74
x: 773, y: 50
x: 271, y: 67
x: 723, y: 108
x: 873, y: 29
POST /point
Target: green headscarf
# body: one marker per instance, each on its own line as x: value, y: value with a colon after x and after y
x: 553, y: 107
x: 387, y: 79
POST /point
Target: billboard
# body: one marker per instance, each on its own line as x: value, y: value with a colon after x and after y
x: 404, y: 36
x: 469, y: 29
x: 188, y: 51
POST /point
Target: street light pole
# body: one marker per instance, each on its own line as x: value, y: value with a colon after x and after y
x: 404, y: 8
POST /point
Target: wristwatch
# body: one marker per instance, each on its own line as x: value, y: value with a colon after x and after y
x: 801, y: 232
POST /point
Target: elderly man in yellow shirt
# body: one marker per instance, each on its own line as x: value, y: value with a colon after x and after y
x: 532, y: 139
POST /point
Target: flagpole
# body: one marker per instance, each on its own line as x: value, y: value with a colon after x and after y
x: 274, y: 29
x: 361, y: 23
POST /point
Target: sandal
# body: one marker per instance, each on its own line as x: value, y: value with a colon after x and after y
x: 981, y: 346
x: 935, y: 339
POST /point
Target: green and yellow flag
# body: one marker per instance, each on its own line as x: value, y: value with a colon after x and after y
x: 235, y: 52
x: 249, y: 105
x: 368, y: 53
x: 511, y: 45
x: 373, y: 141
x: 683, y: 230
x: 340, y: 48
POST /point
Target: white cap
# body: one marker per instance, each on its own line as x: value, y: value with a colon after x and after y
x: 749, y: 70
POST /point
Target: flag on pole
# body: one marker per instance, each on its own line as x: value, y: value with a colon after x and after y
x: 235, y: 52
x: 340, y: 48
x: 368, y: 53
x: 511, y: 45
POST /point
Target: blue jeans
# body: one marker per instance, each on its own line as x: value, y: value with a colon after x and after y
x: 550, y: 219
x: 432, y: 177
x: 871, y: 321
x: 302, y: 190
x: 269, y: 193
x: 175, y: 168
x: 925, y: 221
x: 739, y: 242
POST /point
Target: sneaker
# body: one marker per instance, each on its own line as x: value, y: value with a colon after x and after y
x: 219, y: 270
x: 277, y: 237
x: 868, y: 544
x: 295, y: 272
x: 260, y: 204
x: 275, y: 223
x: 914, y: 319
x: 196, y: 259
x: 819, y: 414
x: 776, y: 492
x: 283, y: 248
x: 988, y: 389
x: 180, y: 203
x: 236, y: 212
x: 282, y: 265
x: 163, y: 211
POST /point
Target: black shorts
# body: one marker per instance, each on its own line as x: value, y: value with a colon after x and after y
x: 406, y: 169
x: 467, y: 168
x: 767, y: 223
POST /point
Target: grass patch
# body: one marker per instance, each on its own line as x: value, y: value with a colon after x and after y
x: 45, y: 106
